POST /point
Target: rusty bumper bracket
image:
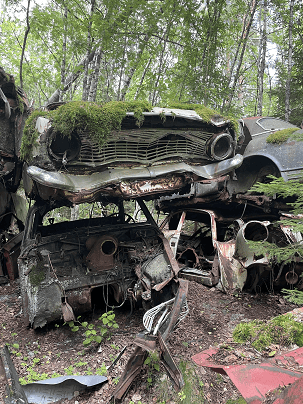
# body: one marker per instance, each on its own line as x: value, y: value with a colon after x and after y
x: 146, y: 342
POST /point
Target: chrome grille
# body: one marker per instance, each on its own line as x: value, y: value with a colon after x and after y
x: 144, y: 147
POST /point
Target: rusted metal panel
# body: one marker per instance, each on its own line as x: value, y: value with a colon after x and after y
x: 170, y: 366
x: 131, y: 370
x: 233, y: 274
x: 255, y: 380
x: 148, y: 343
x: 11, y: 251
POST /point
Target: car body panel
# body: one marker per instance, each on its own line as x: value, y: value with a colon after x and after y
x: 171, y: 149
x: 69, y: 262
x: 215, y: 251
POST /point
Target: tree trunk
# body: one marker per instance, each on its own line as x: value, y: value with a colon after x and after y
x: 63, y: 63
x: 133, y: 69
x: 143, y: 77
x: 245, y: 39
x: 262, y: 57
x: 72, y: 77
x: 95, y: 77
x: 85, y: 87
x: 289, y: 64
x: 24, y: 42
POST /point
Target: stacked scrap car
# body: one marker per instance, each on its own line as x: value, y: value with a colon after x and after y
x: 66, y: 266
x: 14, y: 110
x: 214, y: 251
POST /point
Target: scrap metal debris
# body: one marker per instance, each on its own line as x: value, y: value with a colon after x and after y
x: 255, y: 380
x: 146, y: 342
x: 44, y: 391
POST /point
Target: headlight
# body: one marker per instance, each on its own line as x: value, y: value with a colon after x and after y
x: 221, y: 147
x: 64, y: 148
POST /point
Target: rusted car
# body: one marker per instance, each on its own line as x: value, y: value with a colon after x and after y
x: 169, y: 150
x: 214, y: 251
x: 269, y: 146
x: 69, y: 267
x: 14, y: 110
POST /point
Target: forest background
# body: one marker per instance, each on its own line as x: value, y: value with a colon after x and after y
x: 240, y: 57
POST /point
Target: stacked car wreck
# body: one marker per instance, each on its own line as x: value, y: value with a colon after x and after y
x: 109, y: 157
x: 14, y: 110
x: 76, y: 261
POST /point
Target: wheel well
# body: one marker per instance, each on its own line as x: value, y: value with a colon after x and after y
x: 255, y: 169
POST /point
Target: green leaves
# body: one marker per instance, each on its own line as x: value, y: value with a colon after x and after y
x: 95, y: 333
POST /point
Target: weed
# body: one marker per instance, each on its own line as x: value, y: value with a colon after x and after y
x: 69, y: 371
x: 192, y: 392
x: 116, y: 380
x: 36, y: 361
x: 281, y: 330
x: 152, y: 362
x: 293, y: 296
x: 102, y: 371
x: 96, y: 333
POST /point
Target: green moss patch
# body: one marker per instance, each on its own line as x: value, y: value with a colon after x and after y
x: 205, y: 113
x: 83, y: 116
x: 37, y: 274
x: 281, y: 135
x: 281, y: 330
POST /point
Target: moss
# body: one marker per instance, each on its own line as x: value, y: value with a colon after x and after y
x: 282, y: 330
x: 83, y: 116
x: 20, y: 103
x: 207, y: 114
x: 37, y: 274
x: 239, y: 400
x: 281, y: 136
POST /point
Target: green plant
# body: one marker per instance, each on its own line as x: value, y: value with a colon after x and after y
x: 96, y: 333
x: 239, y: 400
x: 293, y: 296
x: 102, y: 371
x: 282, y: 330
x: 69, y: 371
x: 152, y: 362
x: 182, y: 395
x: 192, y: 392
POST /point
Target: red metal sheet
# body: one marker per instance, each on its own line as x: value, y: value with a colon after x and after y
x: 292, y: 394
x: 255, y: 380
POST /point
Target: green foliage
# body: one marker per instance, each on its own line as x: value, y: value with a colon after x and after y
x: 96, y: 333
x: 102, y: 371
x: 82, y: 116
x: 192, y: 392
x: 293, y: 296
x: 152, y: 362
x: 291, y: 189
x: 205, y: 113
x: 282, y: 330
x: 239, y: 400
x: 281, y: 136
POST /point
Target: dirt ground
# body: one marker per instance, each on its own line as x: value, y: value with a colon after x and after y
x: 210, y: 322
